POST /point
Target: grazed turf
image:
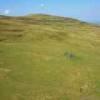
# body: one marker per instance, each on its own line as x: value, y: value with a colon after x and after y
x: 49, y: 58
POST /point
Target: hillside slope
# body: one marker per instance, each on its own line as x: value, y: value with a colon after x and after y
x: 45, y: 57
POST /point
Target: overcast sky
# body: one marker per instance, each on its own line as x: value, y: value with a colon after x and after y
x: 87, y: 10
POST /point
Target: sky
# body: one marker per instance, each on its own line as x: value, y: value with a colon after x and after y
x: 86, y: 10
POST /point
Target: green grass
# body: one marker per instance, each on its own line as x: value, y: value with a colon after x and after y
x: 42, y: 58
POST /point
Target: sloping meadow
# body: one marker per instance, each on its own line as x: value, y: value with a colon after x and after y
x: 46, y: 57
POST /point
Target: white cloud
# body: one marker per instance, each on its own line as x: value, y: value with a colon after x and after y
x: 5, y: 12
x: 42, y: 5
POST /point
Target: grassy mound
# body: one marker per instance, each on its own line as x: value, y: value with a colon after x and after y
x: 45, y: 57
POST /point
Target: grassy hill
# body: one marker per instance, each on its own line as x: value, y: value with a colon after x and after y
x: 45, y: 57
